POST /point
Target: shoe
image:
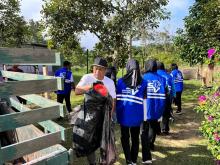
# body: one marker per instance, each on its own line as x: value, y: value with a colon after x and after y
x: 147, y: 162
x: 171, y: 119
x: 178, y: 112
x: 165, y: 133
x: 134, y: 163
x: 129, y: 163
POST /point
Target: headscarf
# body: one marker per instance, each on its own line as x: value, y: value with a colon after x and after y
x: 133, y: 77
x: 160, y: 65
x: 174, y: 66
x: 150, y: 66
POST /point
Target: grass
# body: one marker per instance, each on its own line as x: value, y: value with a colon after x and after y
x: 184, y: 146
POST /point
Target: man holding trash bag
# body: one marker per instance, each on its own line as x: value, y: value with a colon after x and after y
x: 99, y: 104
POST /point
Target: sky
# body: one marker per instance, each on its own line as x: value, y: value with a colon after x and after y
x: 30, y: 9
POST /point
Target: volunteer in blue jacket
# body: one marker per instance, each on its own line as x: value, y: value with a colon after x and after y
x: 66, y: 74
x: 178, y: 81
x: 154, y: 106
x: 129, y: 109
x: 171, y: 94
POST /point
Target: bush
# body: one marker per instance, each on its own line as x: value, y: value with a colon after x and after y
x: 209, y: 105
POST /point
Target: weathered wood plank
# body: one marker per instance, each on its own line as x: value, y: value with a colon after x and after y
x: 24, y: 76
x: 49, y: 125
x: 20, y: 149
x: 29, y: 56
x: 60, y: 159
x: 27, y: 76
x: 29, y: 132
x: 20, y: 119
x: 27, y: 87
x: 55, y: 158
x: 43, y: 102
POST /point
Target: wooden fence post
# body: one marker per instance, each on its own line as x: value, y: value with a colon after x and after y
x: 45, y: 73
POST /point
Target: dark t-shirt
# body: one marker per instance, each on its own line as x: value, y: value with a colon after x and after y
x: 15, y: 70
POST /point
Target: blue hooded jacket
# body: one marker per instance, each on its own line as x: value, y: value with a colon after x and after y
x: 66, y: 75
x: 155, y: 102
x: 178, y: 79
x: 169, y: 82
x: 130, y: 95
x: 129, y: 105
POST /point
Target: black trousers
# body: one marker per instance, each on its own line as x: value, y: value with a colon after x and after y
x: 131, y: 152
x: 145, y: 141
x: 61, y: 97
x: 149, y: 131
x: 178, y: 101
x: 166, y: 116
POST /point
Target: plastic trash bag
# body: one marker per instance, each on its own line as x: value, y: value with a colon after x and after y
x: 108, y: 148
x: 87, y: 130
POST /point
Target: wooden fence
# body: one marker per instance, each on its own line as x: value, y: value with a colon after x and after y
x: 52, y: 145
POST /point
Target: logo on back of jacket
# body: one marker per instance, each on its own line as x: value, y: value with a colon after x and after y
x: 153, y: 86
x: 179, y: 76
x: 64, y: 76
x: 130, y: 91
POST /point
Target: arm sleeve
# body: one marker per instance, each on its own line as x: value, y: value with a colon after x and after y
x: 112, y: 92
x: 173, y: 91
x: 83, y: 81
x: 71, y: 78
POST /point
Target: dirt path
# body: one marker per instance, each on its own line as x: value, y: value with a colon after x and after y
x: 185, y: 144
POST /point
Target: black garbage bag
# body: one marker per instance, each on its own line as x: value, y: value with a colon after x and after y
x: 7, y: 137
x: 108, y: 147
x: 87, y: 130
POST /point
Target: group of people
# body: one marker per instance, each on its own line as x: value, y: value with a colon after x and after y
x: 139, y: 101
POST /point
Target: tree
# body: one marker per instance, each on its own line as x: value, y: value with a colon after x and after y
x: 202, y: 31
x: 35, y: 30
x: 12, y: 25
x: 112, y: 21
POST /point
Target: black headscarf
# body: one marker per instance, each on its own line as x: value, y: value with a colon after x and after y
x: 133, y: 77
x: 160, y: 65
x: 174, y: 66
x: 150, y: 66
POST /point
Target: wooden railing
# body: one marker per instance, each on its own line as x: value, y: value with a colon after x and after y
x: 28, y: 86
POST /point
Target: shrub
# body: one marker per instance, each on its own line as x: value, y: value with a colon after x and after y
x: 209, y: 104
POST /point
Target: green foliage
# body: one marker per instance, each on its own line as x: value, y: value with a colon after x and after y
x: 209, y: 104
x: 77, y: 56
x: 111, y: 21
x: 12, y: 25
x: 165, y: 53
x: 14, y: 30
x: 35, y: 30
x: 201, y: 33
